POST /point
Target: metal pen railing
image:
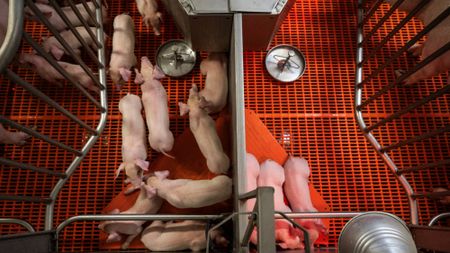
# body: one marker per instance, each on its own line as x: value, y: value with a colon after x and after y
x: 10, y: 48
x: 364, y: 54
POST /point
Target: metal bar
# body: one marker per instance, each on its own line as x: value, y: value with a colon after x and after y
x: 55, y: 32
x: 83, y: 21
x: 248, y: 230
x: 60, y: 69
x: 424, y: 166
x: 140, y: 217
x: 431, y: 238
x: 432, y: 195
x: 319, y: 215
x: 90, y: 13
x: 23, y: 223
x: 438, y: 217
x: 208, y: 234
x: 38, y: 135
x: 305, y: 232
x: 265, y: 221
x: 399, y: 80
x: 396, y: 29
x: 49, y: 211
x: 362, y: 124
x: 26, y: 199
x: 403, y: 49
x: 75, y: 32
x: 30, y: 88
x: 11, y: 43
x: 416, y: 139
x: 382, y: 20
x: 15, y: 164
x: 371, y: 11
x: 444, y: 90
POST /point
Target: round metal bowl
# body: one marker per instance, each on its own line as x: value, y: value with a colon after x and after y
x: 285, y: 63
x: 175, y: 58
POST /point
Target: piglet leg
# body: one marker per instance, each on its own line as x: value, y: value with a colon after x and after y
x: 8, y: 137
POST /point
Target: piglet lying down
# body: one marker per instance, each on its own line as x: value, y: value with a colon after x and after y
x: 174, y: 236
x: 146, y: 203
x: 188, y: 193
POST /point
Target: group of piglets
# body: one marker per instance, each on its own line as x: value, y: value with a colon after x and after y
x: 438, y: 37
x: 156, y: 187
x: 293, y: 178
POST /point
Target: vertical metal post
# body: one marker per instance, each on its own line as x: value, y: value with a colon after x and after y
x: 265, y: 221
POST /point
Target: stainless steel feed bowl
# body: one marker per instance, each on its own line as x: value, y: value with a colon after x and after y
x: 376, y: 232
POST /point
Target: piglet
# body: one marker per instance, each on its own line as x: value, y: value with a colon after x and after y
x: 146, y: 203
x: 177, y: 236
x: 8, y: 137
x: 204, y: 129
x: 252, y: 169
x: 272, y: 174
x: 437, y: 38
x: 297, y: 192
x: 57, y: 21
x: 154, y: 98
x: 188, y: 193
x: 134, y: 149
x: 150, y: 14
x: 43, y: 68
x: 216, y: 83
x: 122, y: 57
x: 53, y: 46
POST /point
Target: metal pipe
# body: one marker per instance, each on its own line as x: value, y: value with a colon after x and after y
x: 49, y: 211
x: 399, y: 80
x: 444, y: 90
x: 57, y: 35
x: 15, y: 164
x: 25, y: 198
x: 416, y: 139
x: 248, y: 231
x: 437, y: 218
x: 38, y: 135
x: 361, y: 122
x: 75, y: 31
x: 83, y: 21
x: 11, y: 43
x: 60, y: 69
x: 371, y: 11
x: 382, y: 20
x: 403, y: 49
x: 140, y: 217
x: 396, y: 29
x: 89, y: 12
x: 319, y: 215
x: 23, y: 223
x: 35, y: 92
x: 424, y: 166
x: 305, y: 232
x: 265, y: 220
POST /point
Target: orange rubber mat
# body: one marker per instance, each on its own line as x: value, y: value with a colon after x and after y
x: 312, y: 117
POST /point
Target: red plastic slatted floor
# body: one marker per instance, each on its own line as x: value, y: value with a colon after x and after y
x: 312, y: 117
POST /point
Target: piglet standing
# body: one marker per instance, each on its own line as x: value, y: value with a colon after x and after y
x: 150, y: 14
x: 146, y: 203
x: 297, y: 192
x: 154, y: 98
x: 8, y: 137
x: 216, y: 83
x: 177, y: 236
x: 272, y: 174
x: 134, y: 149
x: 122, y: 56
x: 43, y: 68
x: 56, y: 20
x: 204, y: 129
x: 188, y: 193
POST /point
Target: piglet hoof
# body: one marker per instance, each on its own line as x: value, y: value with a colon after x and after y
x: 113, y: 237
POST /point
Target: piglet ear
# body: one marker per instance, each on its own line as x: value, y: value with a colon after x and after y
x: 158, y: 73
x: 125, y: 73
x: 57, y: 52
x: 139, y: 79
x: 163, y: 174
x: 142, y: 164
x: 184, y: 108
x: 151, y: 191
